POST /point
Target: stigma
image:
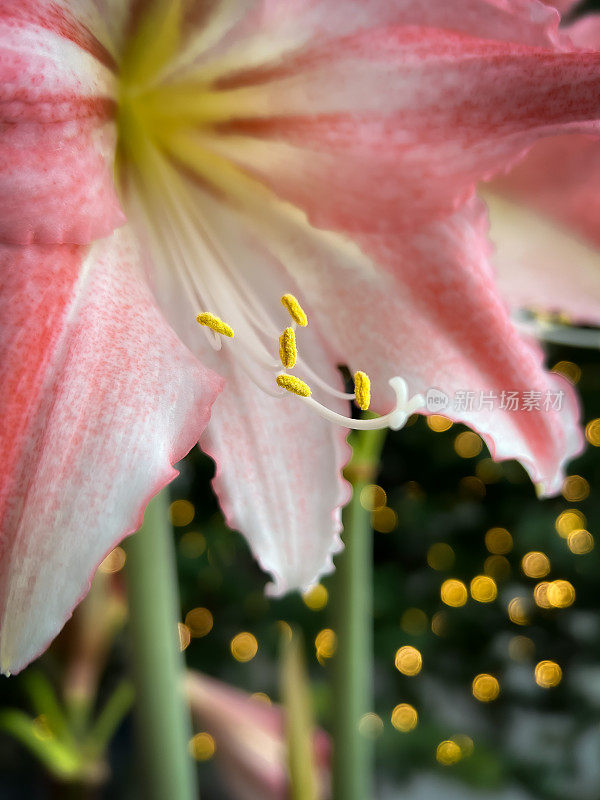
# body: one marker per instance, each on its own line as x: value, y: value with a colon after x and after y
x: 287, y: 383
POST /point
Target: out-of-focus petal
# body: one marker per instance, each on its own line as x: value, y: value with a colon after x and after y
x: 249, y: 737
x: 99, y: 400
x: 278, y: 479
x: 57, y: 106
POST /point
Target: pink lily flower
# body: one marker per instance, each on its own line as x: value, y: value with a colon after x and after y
x: 156, y: 163
x: 250, y: 744
x: 544, y: 215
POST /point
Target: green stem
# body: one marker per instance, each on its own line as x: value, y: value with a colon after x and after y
x: 163, y: 718
x: 353, y: 688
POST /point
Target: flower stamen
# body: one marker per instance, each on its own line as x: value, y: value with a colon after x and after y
x: 296, y: 311
x: 362, y: 390
x: 215, y: 324
x: 294, y: 385
x: 287, y: 348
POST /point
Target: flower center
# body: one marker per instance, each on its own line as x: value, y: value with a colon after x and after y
x: 179, y: 188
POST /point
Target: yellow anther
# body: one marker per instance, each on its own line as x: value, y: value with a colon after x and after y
x: 215, y: 324
x: 287, y: 348
x: 362, y: 390
x: 294, y: 385
x: 295, y: 309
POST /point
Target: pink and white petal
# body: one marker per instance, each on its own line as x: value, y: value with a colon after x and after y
x: 278, y: 479
x: 100, y: 400
x: 250, y: 33
x: 58, y: 103
x: 398, y: 123
x: 542, y: 264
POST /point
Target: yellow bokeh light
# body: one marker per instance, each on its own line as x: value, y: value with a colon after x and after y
x: 448, y: 752
x: 561, y: 594
x: 384, y: 520
x: 372, y: 497
x: 370, y: 725
x: 575, y: 488
x: 202, y: 746
x: 468, y: 444
x: 498, y: 541
x: 497, y: 567
x: 485, y: 688
x: 518, y: 611
x: 408, y: 660
x: 569, y: 370
x: 580, y: 542
x: 483, y: 589
x: 547, y: 674
x: 414, y: 621
x: 192, y: 544
x: 182, y: 512
x: 521, y: 648
x: 569, y: 520
x: 535, y: 564
x: 261, y: 697
x: 439, y: 424
x: 453, y: 593
x: 243, y: 646
x: 285, y: 630
x: 592, y: 432
x: 440, y: 556
x: 114, y: 561
x: 199, y: 621
x: 405, y: 717
x: 540, y: 595
x: 184, y: 635
x: 325, y: 643
x: 465, y: 743
x: 316, y: 598
x: 488, y: 470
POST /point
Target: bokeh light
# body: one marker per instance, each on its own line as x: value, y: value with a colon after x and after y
x: 592, y: 432
x: 408, y: 660
x: 414, y: 621
x: 405, y: 717
x: 569, y: 520
x: 384, y: 520
x: 580, y: 542
x: 540, y: 595
x: 440, y: 556
x: 518, y: 611
x: 325, y: 644
x: 185, y: 635
x: 316, y: 598
x: 498, y: 541
x: 243, y: 646
x: 547, y: 674
x: 370, y: 725
x: 483, y: 589
x: 521, y: 648
x: 497, y: 567
x: 561, y: 594
x: 468, y: 444
x: 485, y: 688
x: 199, y: 621
x: 181, y: 512
x: 453, y: 593
x: 535, y: 564
x: 448, y: 752
x: 575, y: 488
x: 569, y: 370
x: 114, y: 561
x: 192, y: 544
x: 439, y: 424
x: 372, y: 497
x: 202, y: 746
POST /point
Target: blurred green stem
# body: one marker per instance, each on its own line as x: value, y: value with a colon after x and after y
x: 353, y: 685
x: 163, y: 718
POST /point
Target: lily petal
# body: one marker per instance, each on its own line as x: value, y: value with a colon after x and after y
x: 278, y: 480
x: 426, y: 113
x: 58, y: 135
x: 100, y: 399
